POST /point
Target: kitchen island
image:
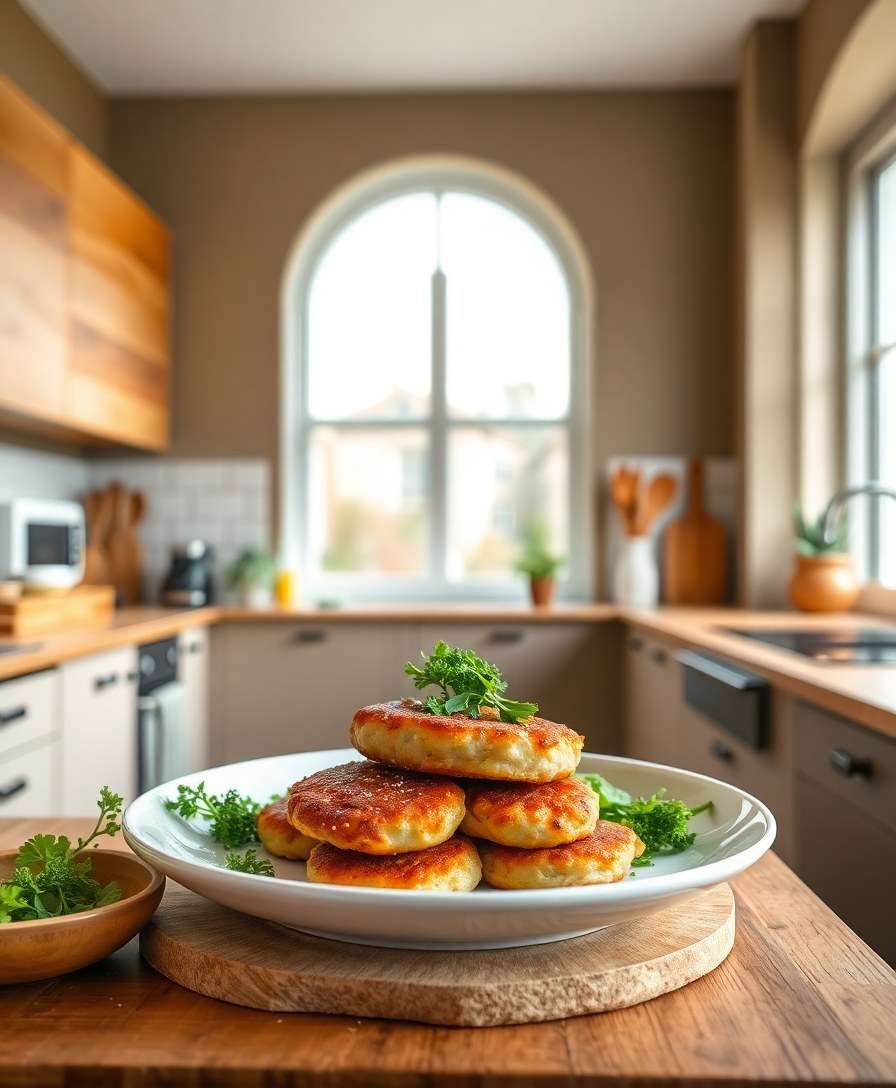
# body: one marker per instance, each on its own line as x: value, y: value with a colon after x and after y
x: 801, y: 999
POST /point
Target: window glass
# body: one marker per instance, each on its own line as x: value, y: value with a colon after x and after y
x: 367, y: 508
x: 369, y: 322
x: 507, y: 314
x: 886, y: 255
x: 886, y: 429
x: 502, y: 479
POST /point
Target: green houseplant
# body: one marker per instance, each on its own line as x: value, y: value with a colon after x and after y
x: 539, y: 562
x: 251, y: 577
x: 823, y: 578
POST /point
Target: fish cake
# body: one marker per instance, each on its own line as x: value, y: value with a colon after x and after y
x: 530, y: 816
x: 279, y: 837
x: 374, y: 809
x: 405, y: 734
x: 452, y: 866
x: 603, y: 857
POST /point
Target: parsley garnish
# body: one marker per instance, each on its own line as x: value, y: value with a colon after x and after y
x: 231, y: 816
x: 52, y: 877
x: 660, y: 824
x: 467, y: 683
x: 249, y: 863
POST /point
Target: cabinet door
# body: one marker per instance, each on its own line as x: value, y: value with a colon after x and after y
x: 194, y: 675
x: 280, y: 687
x: 653, y: 701
x: 117, y: 378
x: 99, y: 729
x: 33, y: 184
x: 847, y: 858
x: 29, y: 781
x: 29, y: 709
x: 569, y: 669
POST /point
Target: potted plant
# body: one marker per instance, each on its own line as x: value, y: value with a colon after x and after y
x: 538, y: 562
x: 823, y: 578
x: 252, y: 577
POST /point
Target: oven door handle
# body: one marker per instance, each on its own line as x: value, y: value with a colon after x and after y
x: 152, y: 739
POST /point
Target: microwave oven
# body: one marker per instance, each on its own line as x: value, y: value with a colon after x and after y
x: 42, y: 542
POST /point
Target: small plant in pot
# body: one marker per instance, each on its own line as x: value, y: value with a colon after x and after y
x: 252, y: 578
x: 540, y: 564
x: 823, y: 578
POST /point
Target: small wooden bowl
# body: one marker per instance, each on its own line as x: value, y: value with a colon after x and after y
x: 54, y: 946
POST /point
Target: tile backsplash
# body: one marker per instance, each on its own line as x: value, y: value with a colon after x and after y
x: 226, y: 503
x: 37, y: 474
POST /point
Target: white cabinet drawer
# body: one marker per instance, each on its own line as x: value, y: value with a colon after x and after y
x: 99, y: 729
x: 29, y: 709
x: 28, y: 782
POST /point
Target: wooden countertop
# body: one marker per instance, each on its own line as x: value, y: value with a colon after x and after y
x: 801, y: 999
x: 863, y: 693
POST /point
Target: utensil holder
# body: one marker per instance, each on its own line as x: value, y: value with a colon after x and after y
x: 636, y: 577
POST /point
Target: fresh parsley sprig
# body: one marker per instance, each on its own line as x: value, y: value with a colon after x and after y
x: 467, y: 683
x: 249, y: 862
x: 231, y: 815
x: 52, y: 877
x: 662, y: 825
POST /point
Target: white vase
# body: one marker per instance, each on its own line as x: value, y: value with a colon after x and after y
x: 636, y: 577
x: 256, y: 596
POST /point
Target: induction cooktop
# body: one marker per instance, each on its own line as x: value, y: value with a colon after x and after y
x: 834, y: 645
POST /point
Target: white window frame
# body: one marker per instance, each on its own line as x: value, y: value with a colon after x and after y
x: 433, y: 173
x: 871, y: 153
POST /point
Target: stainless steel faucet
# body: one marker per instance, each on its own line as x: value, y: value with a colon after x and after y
x: 833, y: 508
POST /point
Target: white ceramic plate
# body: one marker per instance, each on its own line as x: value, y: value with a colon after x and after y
x: 730, y: 837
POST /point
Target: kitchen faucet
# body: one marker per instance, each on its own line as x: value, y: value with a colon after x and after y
x: 833, y: 508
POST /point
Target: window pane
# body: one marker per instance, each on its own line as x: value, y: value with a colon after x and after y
x: 507, y: 314
x: 369, y: 324
x: 886, y: 255
x: 367, y: 503
x: 500, y: 480
x: 887, y: 431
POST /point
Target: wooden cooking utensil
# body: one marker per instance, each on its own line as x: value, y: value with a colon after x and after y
x: 625, y: 485
x: 694, y: 552
x: 96, y: 559
x: 653, y: 500
x: 124, y: 548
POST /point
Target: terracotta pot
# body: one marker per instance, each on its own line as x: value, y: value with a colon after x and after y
x: 541, y: 590
x: 824, y: 583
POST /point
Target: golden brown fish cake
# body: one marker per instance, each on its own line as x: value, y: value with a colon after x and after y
x: 530, y: 816
x: 405, y: 734
x: 604, y: 857
x: 375, y: 809
x: 452, y: 866
x: 279, y: 837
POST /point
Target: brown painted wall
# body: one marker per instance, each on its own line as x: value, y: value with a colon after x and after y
x: 646, y: 179
x: 36, y: 64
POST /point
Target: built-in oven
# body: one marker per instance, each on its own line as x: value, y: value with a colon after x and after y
x: 161, y: 715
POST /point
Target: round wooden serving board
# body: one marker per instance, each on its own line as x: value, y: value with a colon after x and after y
x: 233, y: 957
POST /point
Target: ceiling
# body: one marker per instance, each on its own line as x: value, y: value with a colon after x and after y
x: 210, y: 47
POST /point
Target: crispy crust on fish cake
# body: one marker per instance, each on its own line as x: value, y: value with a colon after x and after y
x: 528, y: 816
x: 374, y: 809
x: 452, y: 866
x: 279, y: 837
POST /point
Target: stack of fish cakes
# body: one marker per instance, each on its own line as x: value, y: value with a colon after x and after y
x: 392, y: 821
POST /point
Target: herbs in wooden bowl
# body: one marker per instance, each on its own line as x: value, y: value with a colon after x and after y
x: 64, y: 905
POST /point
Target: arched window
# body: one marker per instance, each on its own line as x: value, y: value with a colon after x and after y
x: 435, y: 386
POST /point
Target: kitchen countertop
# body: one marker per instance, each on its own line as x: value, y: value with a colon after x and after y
x: 801, y: 999
x: 863, y: 693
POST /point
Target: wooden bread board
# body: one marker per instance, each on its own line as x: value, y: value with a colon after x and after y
x: 41, y: 613
x: 695, y: 552
x: 246, y: 961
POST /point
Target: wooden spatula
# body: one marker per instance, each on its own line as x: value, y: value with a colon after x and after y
x: 694, y: 552
x: 654, y: 499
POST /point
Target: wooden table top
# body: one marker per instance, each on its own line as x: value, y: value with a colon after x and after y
x: 800, y: 999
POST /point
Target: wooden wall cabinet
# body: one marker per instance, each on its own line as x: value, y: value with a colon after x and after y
x: 84, y: 289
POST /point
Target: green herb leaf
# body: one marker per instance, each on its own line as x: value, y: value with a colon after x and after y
x: 467, y: 683
x: 231, y: 816
x: 249, y: 863
x: 661, y: 824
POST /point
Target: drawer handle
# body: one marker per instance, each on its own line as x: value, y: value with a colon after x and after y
x: 17, y: 712
x: 636, y: 643
x: 721, y: 751
x: 507, y: 635
x: 194, y: 648
x: 310, y: 634
x: 847, y: 764
x: 101, y: 682
x: 14, y: 787
x: 659, y: 656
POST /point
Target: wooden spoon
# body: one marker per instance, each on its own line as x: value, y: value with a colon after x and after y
x: 624, y: 487
x: 656, y: 497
